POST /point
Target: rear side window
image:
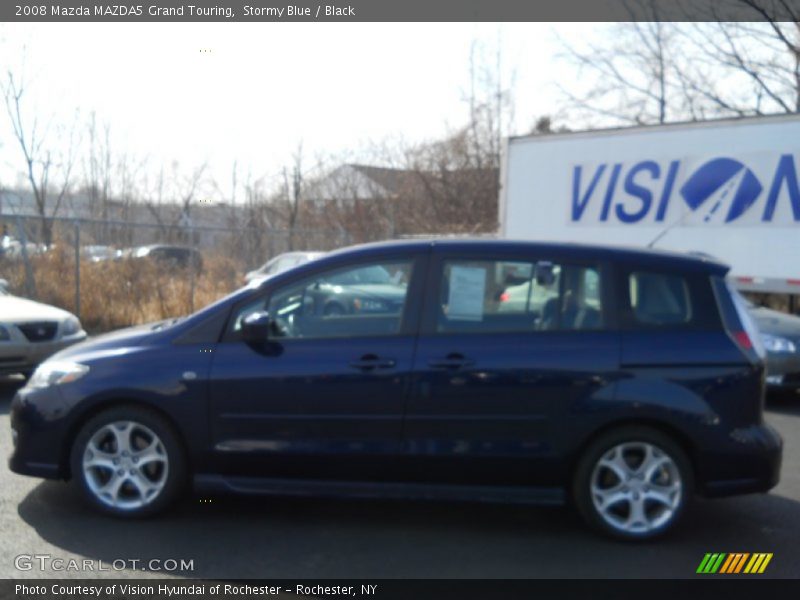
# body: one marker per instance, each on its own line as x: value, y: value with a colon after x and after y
x: 659, y: 298
x: 493, y: 296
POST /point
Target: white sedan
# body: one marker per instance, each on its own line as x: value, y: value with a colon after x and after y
x: 281, y: 263
x: 31, y: 331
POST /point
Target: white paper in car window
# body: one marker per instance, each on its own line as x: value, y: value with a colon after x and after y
x: 467, y: 289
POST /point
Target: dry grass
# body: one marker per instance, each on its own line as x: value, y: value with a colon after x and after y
x: 121, y: 293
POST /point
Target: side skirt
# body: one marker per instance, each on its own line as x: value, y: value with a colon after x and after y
x: 378, y: 490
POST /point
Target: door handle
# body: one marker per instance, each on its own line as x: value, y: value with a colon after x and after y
x: 368, y: 362
x: 452, y: 361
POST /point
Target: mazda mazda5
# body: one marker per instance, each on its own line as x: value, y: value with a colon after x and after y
x: 624, y: 382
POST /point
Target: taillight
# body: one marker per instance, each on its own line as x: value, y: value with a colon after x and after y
x: 505, y: 297
x: 744, y: 341
x: 739, y: 323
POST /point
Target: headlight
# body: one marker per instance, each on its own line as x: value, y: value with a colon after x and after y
x: 777, y: 344
x: 71, y: 326
x: 56, y: 372
x: 4, y: 334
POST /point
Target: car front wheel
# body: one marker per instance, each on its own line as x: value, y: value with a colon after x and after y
x: 128, y: 462
x: 633, y: 483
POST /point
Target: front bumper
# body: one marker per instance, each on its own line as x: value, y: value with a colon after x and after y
x: 783, y: 371
x: 750, y: 462
x: 22, y: 356
x: 38, y: 430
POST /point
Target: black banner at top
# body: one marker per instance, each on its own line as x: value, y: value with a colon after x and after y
x: 398, y: 10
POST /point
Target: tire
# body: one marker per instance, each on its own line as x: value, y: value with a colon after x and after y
x: 633, y: 483
x: 135, y: 478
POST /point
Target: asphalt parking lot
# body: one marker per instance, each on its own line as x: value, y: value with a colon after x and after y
x: 229, y: 537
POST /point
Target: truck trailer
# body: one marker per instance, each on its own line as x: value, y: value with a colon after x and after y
x: 727, y: 188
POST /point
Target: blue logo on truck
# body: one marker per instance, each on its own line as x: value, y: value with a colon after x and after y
x: 723, y: 188
x: 722, y: 173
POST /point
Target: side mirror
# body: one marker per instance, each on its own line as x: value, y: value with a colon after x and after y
x: 256, y: 327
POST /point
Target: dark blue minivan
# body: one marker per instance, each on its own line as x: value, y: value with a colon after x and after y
x: 623, y: 381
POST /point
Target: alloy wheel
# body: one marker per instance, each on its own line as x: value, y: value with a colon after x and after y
x: 636, y: 487
x: 125, y: 465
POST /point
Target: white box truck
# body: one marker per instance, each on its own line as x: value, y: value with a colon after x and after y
x: 728, y: 188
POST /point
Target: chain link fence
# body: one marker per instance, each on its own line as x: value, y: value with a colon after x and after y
x: 114, y: 274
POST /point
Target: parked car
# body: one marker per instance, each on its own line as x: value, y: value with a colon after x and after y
x: 178, y: 257
x: 780, y: 336
x: 281, y: 263
x: 635, y: 385
x: 13, y: 249
x: 371, y: 289
x: 31, y: 331
x: 98, y: 253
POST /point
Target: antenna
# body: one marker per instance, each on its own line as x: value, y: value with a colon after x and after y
x: 668, y: 228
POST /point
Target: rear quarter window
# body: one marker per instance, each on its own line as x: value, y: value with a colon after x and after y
x: 659, y: 298
x: 654, y: 299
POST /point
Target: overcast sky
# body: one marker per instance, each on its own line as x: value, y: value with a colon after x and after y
x: 260, y: 88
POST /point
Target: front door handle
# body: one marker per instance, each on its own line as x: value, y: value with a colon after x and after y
x: 369, y: 362
x: 453, y: 361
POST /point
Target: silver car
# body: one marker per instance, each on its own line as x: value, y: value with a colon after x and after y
x: 281, y: 263
x: 31, y: 331
x: 780, y: 335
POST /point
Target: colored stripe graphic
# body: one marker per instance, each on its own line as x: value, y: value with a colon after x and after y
x: 703, y: 563
x: 741, y: 562
x: 726, y: 565
x: 758, y: 563
x: 734, y: 563
x: 711, y: 562
x: 722, y: 563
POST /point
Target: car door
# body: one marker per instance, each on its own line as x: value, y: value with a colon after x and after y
x: 510, y: 346
x: 323, y: 396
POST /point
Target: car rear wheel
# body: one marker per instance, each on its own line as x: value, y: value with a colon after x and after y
x: 633, y: 483
x: 129, y: 462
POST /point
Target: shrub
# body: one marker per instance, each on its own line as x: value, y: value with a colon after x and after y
x: 120, y: 293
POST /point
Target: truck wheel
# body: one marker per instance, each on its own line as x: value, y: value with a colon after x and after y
x: 129, y: 462
x: 633, y: 483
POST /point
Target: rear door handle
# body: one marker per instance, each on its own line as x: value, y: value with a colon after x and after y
x: 451, y: 361
x: 368, y: 362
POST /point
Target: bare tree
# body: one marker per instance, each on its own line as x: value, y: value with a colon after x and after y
x: 294, y: 195
x: 450, y: 189
x: 631, y: 75
x: 491, y: 106
x: 756, y: 64
x: 171, y: 198
x: 154, y: 199
x: 97, y: 166
x: 47, y: 168
x: 288, y: 205
x: 655, y: 72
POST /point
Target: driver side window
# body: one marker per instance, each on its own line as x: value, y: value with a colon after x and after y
x: 357, y: 301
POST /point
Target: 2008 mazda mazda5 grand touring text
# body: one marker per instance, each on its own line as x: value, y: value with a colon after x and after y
x: 623, y: 381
